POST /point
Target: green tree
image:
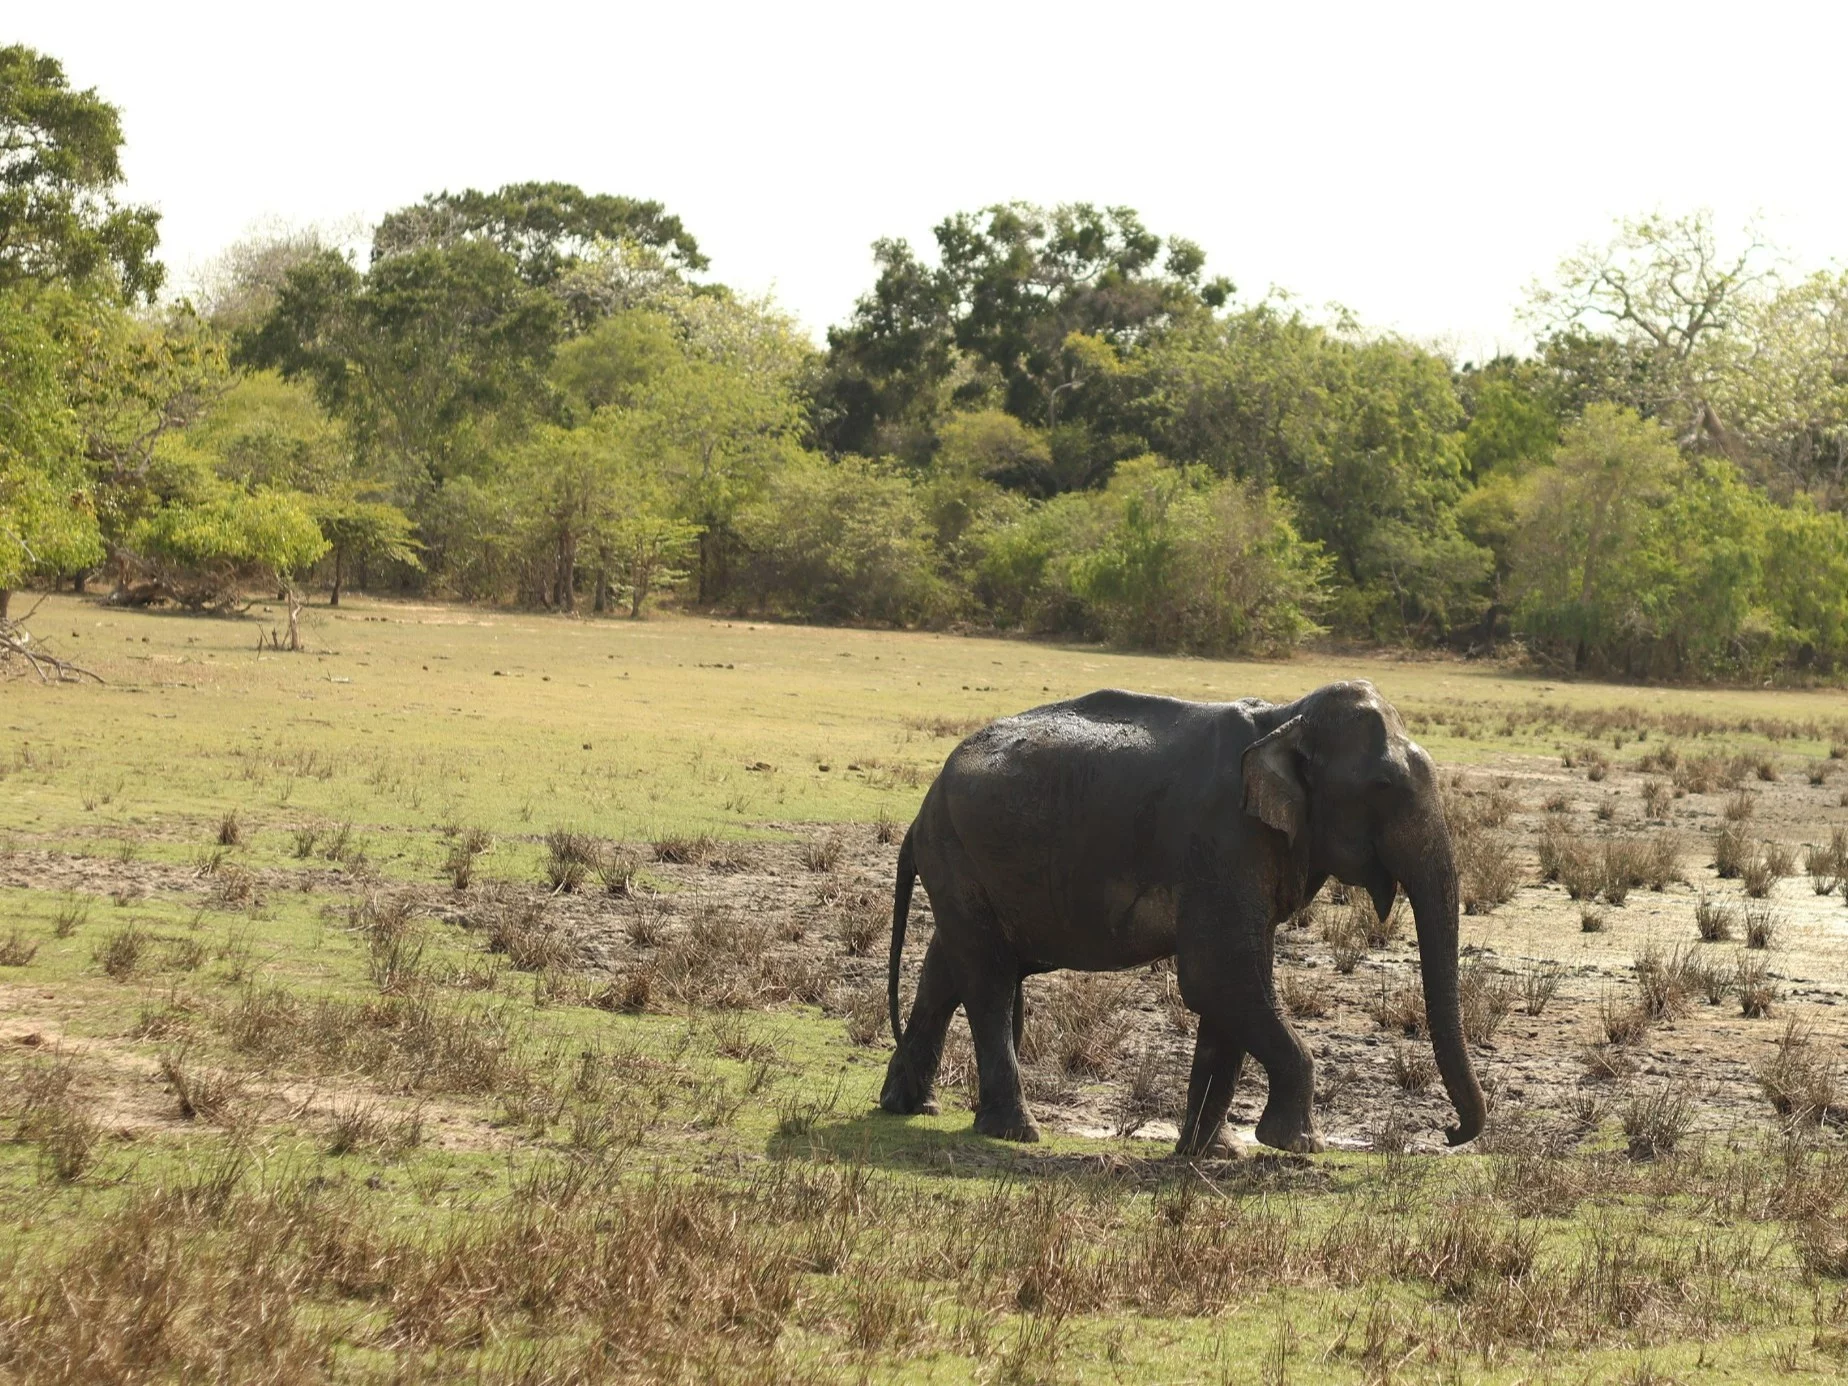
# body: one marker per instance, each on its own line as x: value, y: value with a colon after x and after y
x: 361, y: 530
x: 60, y: 167
x: 435, y: 359
x: 1038, y: 300
x: 205, y: 547
x: 1583, y: 521
x: 1190, y: 563
x: 47, y: 512
x: 843, y: 540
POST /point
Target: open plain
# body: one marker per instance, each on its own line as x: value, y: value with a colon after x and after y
x: 499, y: 997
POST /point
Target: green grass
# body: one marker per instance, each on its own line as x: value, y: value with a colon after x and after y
x: 784, y: 1228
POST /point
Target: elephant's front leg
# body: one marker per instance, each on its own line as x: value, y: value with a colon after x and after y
x: 1217, y: 1061
x: 1233, y: 990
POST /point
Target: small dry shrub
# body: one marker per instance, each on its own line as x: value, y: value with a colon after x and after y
x: 230, y: 831
x: 520, y: 929
x: 885, y: 828
x: 1625, y: 864
x: 1799, y: 1079
x: 1731, y: 852
x: 1712, y: 979
x: 1380, y: 932
x: 203, y: 1094
x: 1740, y: 805
x: 1655, y: 799
x: 1661, y: 860
x: 1663, y: 981
x: 861, y: 923
x: 1591, y: 919
x: 1622, y: 1021
x: 1412, y: 1068
x: 1401, y: 1009
x: 617, y: 870
x: 1486, y: 999
x: 823, y: 853
x: 866, y: 1016
x: 1779, y: 858
x: 17, y: 950
x: 1539, y: 986
x: 1486, y: 871
x: 1558, y: 803
x: 569, y: 857
x: 1757, y: 992
x: 465, y: 849
x: 686, y: 849
x: 1655, y: 1123
x: 1714, y: 918
x: 1827, y: 865
x: 304, y: 839
x: 1579, y: 867
x: 1761, y: 923
x: 1346, y: 937
x: 121, y: 950
x: 72, y: 913
x: 1304, y: 994
x: 1079, y: 1023
x: 1766, y: 770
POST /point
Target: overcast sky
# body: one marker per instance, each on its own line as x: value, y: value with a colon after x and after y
x: 1417, y: 163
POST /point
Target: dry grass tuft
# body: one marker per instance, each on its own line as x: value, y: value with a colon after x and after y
x: 1714, y: 918
x: 1799, y: 1079
x: 17, y: 950
x: 1402, y: 1009
x: 1757, y: 992
x: 1654, y: 1124
x: 1079, y: 1022
x: 1304, y: 994
x: 820, y: 854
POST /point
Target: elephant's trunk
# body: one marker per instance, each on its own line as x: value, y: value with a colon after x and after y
x: 1432, y: 886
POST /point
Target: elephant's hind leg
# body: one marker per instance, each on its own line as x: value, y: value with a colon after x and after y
x: 912, y: 1071
x: 991, y: 1001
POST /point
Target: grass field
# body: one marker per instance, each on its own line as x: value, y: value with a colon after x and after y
x: 487, y: 996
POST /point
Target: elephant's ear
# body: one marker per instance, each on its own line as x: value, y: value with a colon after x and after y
x: 1274, y: 790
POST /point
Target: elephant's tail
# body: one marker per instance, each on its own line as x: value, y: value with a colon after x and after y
x: 901, y: 912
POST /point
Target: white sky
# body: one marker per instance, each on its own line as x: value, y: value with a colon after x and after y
x: 1418, y: 163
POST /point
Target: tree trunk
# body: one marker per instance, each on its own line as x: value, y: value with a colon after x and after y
x: 339, y: 572
x: 80, y: 581
x: 1432, y: 885
x: 6, y: 600
x: 602, y: 603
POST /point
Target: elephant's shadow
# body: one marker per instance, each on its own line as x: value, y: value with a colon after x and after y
x: 897, y: 1143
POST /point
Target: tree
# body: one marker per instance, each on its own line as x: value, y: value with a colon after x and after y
x: 547, y: 228
x: 1661, y: 291
x: 436, y: 359
x: 1780, y: 386
x: 1197, y: 564
x: 59, y: 168
x: 842, y: 540
x: 47, y: 511
x: 1040, y: 300
x: 202, y: 549
x: 1582, y: 520
x: 358, y: 530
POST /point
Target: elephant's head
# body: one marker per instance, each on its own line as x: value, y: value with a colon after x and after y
x: 1345, y: 783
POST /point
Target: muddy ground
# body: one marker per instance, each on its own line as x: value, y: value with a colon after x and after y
x: 795, y: 907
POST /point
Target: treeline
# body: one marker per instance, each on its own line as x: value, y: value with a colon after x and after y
x: 1058, y: 423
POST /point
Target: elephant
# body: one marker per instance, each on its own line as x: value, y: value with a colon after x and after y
x: 1113, y: 830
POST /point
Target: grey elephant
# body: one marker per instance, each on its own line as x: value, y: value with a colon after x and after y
x: 1119, y: 828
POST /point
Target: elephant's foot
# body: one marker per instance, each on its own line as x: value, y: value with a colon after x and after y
x: 905, y: 1097
x: 1007, y: 1126
x: 1221, y: 1145
x: 1291, y: 1134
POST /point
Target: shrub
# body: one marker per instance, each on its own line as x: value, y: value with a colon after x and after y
x: 464, y: 850
x: 1761, y: 923
x: 569, y: 858
x: 1539, y: 986
x: 1799, y: 1080
x: 1655, y: 799
x: 16, y: 950
x: 1412, y: 1068
x: 1713, y: 918
x: 1731, y: 852
x: 1487, y: 873
x: 120, y: 953
x: 1757, y: 992
x: 1654, y: 1124
x: 230, y: 831
x: 1304, y: 994
x: 1663, y: 981
x: 1346, y: 936
x: 821, y: 854
x: 1080, y: 1023
x: 1401, y: 1009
